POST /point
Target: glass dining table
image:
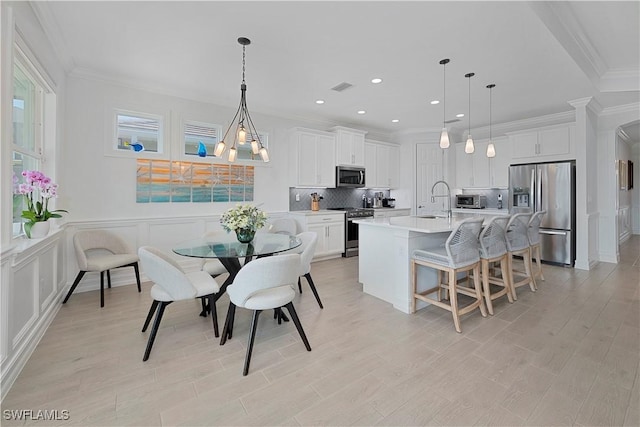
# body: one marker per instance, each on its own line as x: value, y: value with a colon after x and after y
x: 233, y: 255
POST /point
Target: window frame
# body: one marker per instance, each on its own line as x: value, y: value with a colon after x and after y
x: 111, y: 146
x: 183, y: 141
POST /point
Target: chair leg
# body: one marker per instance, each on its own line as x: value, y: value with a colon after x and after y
x: 478, y: 288
x: 227, y: 330
x: 252, y: 336
x: 528, y: 268
x: 203, y: 313
x: 413, y: 286
x: 109, y: 279
x: 73, y: 287
x: 313, y: 288
x: 509, y: 273
x: 485, y: 286
x: 296, y: 321
x: 154, y: 329
x: 538, y: 262
x: 453, y: 296
x: 505, y: 278
x: 299, y: 285
x: 135, y: 267
x: 154, y: 306
x: 102, y: 288
x: 214, y: 314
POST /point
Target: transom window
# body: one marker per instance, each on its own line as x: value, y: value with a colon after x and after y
x: 138, y: 132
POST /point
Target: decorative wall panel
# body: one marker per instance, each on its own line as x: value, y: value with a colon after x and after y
x: 164, y: 181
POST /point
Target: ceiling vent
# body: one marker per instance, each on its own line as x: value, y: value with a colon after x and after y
x: 342, y: 86
x: 451, y: 121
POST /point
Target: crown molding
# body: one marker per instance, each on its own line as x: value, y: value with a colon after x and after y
x: 621, y: 109
x: 51, y: 29
x: 620, y: 80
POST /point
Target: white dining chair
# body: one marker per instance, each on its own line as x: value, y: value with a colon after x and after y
x: 283, y: 226
x: 307, y: 250
x: 172, y: 284
x: 101, y: 251
x: 264, y: 284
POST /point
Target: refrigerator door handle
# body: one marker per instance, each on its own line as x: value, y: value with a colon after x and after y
x: 532, y: 187
x: 539, y: 191
x: 554, y: 232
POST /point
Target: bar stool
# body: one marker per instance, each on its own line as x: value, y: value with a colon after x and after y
x: 533, y: 232
x: 518, y: 244
x: 493, y: 249
x: 459, y: 254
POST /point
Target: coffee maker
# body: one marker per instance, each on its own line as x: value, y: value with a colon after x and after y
x: 377, y: 199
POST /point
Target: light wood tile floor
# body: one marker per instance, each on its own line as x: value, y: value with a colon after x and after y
x: 565, y: 355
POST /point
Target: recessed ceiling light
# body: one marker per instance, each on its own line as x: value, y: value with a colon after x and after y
x: 460, y: 115
x: 434, y: 102
x: 376, y: 80
x: 361, y: 112
x: 319, y: 101
x: 395, y: 121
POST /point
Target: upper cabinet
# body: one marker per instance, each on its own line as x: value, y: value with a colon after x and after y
x: 553, y: 143
x: 382, y: 164
x: 313, y: 156
x: 478, y: 170
x: 349, y: 146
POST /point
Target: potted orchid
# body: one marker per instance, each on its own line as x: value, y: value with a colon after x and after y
x: 37, y: 189
x: 244, y: 220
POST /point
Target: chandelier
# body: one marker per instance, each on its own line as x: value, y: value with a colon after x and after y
x: 444, y: 135
x: 244, y: 125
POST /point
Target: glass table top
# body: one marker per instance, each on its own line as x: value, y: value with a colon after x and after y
x: 228, y: 246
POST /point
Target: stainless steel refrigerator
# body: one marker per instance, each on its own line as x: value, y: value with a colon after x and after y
x: 550, y: 187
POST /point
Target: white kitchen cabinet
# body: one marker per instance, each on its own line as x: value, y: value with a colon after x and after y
x: 382, y: 164
x: 330, y: 229
x: 553, y: 143
x: 313, y: 158
x: 349, y: 146
x: 476, y: 170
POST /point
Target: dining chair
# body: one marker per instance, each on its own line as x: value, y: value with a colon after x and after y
x: 172, y: 284
x: 518, y: 245
x: 283, y: 226
x: 101, y: 251
x: 307, y: 250
x: 460, y: 253
x: 264, y: 284
x: 493, y: 249
x: 533, y: 233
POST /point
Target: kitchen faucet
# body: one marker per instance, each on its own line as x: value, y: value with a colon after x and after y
x: 448, y: 196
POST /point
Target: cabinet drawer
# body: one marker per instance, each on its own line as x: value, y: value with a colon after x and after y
x: 323, y: 219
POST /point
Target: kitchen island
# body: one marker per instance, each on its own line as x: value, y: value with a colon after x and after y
x: 386, y: 245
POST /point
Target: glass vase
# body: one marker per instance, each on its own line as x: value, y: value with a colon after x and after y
x: 245, y: 235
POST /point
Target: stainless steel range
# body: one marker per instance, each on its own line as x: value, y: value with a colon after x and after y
x: 351, y: 228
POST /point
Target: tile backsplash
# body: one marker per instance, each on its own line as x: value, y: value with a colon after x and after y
x: 331, y: 197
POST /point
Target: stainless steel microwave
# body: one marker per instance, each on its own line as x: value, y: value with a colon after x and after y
x: 350, y: 176
x: 472, y: 201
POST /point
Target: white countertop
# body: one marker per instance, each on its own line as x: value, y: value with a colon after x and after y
x: 319, y: 212
x: 413, y: 223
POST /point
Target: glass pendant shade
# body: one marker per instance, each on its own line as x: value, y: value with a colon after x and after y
x: 242, y: 135
x: 468, y: 147
x: 264, y: 154
x: 444, y: 138
x: 491, y: 150
x: 219, y: 149
x: 232, y: 154
x: 255, y: 147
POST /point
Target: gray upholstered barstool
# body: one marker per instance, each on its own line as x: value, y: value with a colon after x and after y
x: 493, y: 249
x: 533, y: 232
x: 518, y: 244
x: 459, y: 253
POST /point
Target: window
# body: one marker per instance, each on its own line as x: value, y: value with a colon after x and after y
x: 195, y: 133
x: 138, y: 132
x: 28, y: 117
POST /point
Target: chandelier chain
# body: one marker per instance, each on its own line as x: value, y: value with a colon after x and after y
x: 243, y: 61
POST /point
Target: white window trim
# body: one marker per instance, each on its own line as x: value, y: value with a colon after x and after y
x: 182, y: 141
x: 111, y: 141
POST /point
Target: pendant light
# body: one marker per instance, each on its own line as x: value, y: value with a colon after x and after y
x: 468, y: 147
x: 444, y: 135
x: 491, y: 149
x: 245, y: 124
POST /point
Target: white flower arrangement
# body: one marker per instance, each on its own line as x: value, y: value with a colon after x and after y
x: 243, y: 216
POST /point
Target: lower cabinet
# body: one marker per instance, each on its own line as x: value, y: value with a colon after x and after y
x: 330, y: 230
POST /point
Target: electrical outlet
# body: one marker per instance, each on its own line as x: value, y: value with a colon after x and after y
x: 297, y: 197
